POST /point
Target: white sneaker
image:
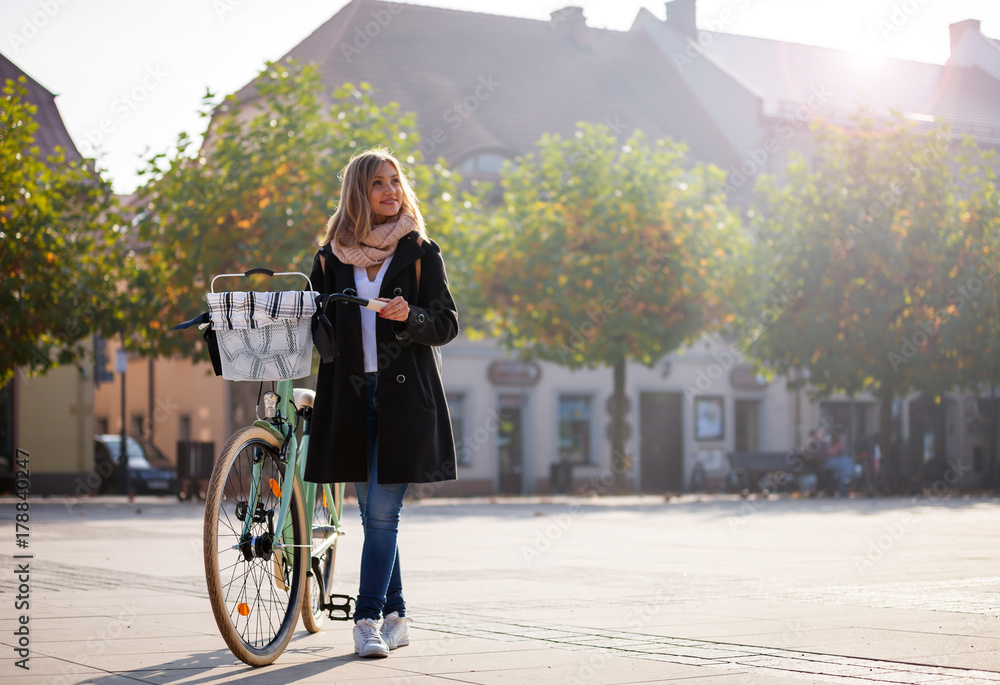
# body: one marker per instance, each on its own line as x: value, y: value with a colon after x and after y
x: 395, y: 632
x: 368, y: 642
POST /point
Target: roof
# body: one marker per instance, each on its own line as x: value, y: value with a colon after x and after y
x: 786, y: 74
x: 519, y: 77
x: 51, y: 129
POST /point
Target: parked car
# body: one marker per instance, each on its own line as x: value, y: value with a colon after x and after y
x: 149, y: 471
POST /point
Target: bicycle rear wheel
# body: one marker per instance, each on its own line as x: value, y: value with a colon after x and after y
x: 256, y: 592
x: 325, y: 523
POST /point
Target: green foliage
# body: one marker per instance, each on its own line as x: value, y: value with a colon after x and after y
x: 604, y: 253
x: 62, y: 248
x: 966, y: 335
x: 260, y: 191
x: 869, y: 240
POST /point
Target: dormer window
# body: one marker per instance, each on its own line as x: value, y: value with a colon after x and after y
x: 483, y: 163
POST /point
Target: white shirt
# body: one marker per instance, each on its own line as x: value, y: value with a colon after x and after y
x: 369, y: 290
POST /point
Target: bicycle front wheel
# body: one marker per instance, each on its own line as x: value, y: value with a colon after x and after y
x: 256, y: 591
x: 325, y: 524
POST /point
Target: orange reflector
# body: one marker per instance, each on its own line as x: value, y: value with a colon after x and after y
x: 243, y: 609
x: 275, y: 488
x: 324, y: 498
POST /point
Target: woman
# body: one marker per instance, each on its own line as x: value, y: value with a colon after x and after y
x: 380, y: 417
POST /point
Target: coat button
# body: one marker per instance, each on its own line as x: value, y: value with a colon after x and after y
x: 421, y: 318
x: 400, y: 378
x: 397, y: 292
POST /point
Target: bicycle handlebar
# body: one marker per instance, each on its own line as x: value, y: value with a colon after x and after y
x: 350, y: 295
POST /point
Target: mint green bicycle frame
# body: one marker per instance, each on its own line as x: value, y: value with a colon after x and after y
x: 281, y: 426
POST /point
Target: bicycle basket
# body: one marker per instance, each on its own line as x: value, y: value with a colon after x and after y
x: 263, y: 336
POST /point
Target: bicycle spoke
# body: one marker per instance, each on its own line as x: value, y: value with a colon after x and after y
x: 255, y: 615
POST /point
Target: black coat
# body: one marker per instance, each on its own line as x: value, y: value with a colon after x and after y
x: 415, y: 442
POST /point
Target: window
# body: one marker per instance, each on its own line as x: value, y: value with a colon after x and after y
x: 574, y: 429
x: 747, y: 425
x: 6, y: 426
x: 184, y: 428
x: 485, y: 163
x: 463, y: 448
x: 102, y: 426
x: 708, y: 418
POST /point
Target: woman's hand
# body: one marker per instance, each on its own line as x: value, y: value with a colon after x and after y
x: 396, y: 309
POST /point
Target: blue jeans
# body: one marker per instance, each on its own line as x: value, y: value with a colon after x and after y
x: 843, y: 468
x: 381, y: 588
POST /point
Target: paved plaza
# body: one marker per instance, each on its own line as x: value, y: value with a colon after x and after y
x: 562, y: 590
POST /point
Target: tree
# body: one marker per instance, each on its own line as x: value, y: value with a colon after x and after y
x: 969, y: 336
x: 260, y: 191
x: 63, y: 252
x: 864, y: 238
x: 602, y: 254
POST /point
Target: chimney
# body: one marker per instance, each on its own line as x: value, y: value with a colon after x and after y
x: 681, y: 16
x: 569, y: 20
x: 958, y: 29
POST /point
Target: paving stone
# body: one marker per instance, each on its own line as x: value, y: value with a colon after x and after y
x: 634, y: 590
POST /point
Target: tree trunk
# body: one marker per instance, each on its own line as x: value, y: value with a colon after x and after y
x: 619, y: 460
x: 889, y: 462
x: 994, y: 467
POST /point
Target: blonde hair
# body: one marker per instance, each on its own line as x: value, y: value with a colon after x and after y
x: 354, y: 214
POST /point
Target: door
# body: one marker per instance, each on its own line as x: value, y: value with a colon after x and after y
x: 747, y: 425
x: 927, y: 435
x: 661, y: 442
x: 510, y: 445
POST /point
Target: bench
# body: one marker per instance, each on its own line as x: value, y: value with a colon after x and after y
x: 761, y: 472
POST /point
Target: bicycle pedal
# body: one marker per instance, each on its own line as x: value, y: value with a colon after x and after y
x: 345, y: 606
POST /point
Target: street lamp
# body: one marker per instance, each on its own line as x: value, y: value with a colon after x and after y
x: 121, y: 365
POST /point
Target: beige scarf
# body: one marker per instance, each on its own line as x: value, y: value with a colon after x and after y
x: 380, y: 245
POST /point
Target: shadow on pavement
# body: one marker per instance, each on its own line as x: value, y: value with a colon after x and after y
x: 321, y: 662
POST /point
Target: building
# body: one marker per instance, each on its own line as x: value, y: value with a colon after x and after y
x: 763, y: 94
x: 30, y: 406
x: 485, y: 88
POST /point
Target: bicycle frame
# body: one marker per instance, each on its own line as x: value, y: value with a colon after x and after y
x: 283, y: 428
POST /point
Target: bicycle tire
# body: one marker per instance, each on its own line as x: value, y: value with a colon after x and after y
x: 323, y: 515
x: 255, y: 614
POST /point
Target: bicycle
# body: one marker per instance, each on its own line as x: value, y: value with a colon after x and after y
x: 265, y: 562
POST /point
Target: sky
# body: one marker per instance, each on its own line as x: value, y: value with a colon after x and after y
x: 141, y: 67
